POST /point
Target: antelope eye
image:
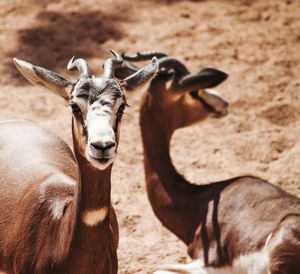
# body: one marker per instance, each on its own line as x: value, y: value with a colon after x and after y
x: 121, y: 110
x: 83, y: 95
x: 75, y: 108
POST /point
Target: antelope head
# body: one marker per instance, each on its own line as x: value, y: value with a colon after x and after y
x: 97, y: 103
x: 175, y: 96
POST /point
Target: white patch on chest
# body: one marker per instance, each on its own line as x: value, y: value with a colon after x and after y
x: 93, y: 217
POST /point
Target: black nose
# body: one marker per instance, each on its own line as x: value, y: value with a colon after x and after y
x: 103, y: 147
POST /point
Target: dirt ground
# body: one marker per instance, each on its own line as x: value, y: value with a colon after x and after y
x: 256, y: 42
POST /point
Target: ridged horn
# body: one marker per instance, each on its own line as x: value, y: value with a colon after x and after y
x: 111, y: 64
x: 81, y: 66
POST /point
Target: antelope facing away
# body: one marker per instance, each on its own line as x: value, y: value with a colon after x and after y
x: 56, y: 214
x: 241, y: 225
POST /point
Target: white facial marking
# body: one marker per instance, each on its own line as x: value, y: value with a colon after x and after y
x: 100, y: 124
x: 101, y: 119
x: 101, y: 133
x: 93, y: 217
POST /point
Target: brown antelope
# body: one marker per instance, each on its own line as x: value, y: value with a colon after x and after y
x: 240, y: 225
x: 56, y: 214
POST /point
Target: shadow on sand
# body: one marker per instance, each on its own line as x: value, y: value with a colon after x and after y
x: 56, y: 37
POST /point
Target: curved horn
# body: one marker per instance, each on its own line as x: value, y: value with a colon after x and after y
x: 125, y: 70
x: 141, y: 75
x: 81, y: 66
x: 143, y: 56
x: 176, y: 65
x: 165, y: 62
x: 111, y: 64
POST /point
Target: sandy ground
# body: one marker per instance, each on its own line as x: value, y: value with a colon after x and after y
x: 256, y: 42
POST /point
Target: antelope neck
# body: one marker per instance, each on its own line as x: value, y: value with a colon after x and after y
x: 94, y: 185
x: 170, y: 195
x: 95, y: 241
x: 156, y: 144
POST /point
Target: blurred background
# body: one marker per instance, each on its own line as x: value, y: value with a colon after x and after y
x: 256, y: 42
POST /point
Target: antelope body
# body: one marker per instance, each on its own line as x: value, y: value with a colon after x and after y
x: 56, y: 214
x: 241, y: 225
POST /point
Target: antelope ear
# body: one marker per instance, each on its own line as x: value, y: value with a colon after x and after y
x: 49, y: 79
x: 141, y: 75
x: 206, y: 78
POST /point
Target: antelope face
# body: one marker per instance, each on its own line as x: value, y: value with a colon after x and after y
x: 97, y: 105
x: 195, y: 88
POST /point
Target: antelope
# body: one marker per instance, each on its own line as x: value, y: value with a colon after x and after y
x: 56, y: 214
x: 240, y: 225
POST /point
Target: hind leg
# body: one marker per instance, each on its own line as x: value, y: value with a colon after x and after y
x: 283, y: 246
